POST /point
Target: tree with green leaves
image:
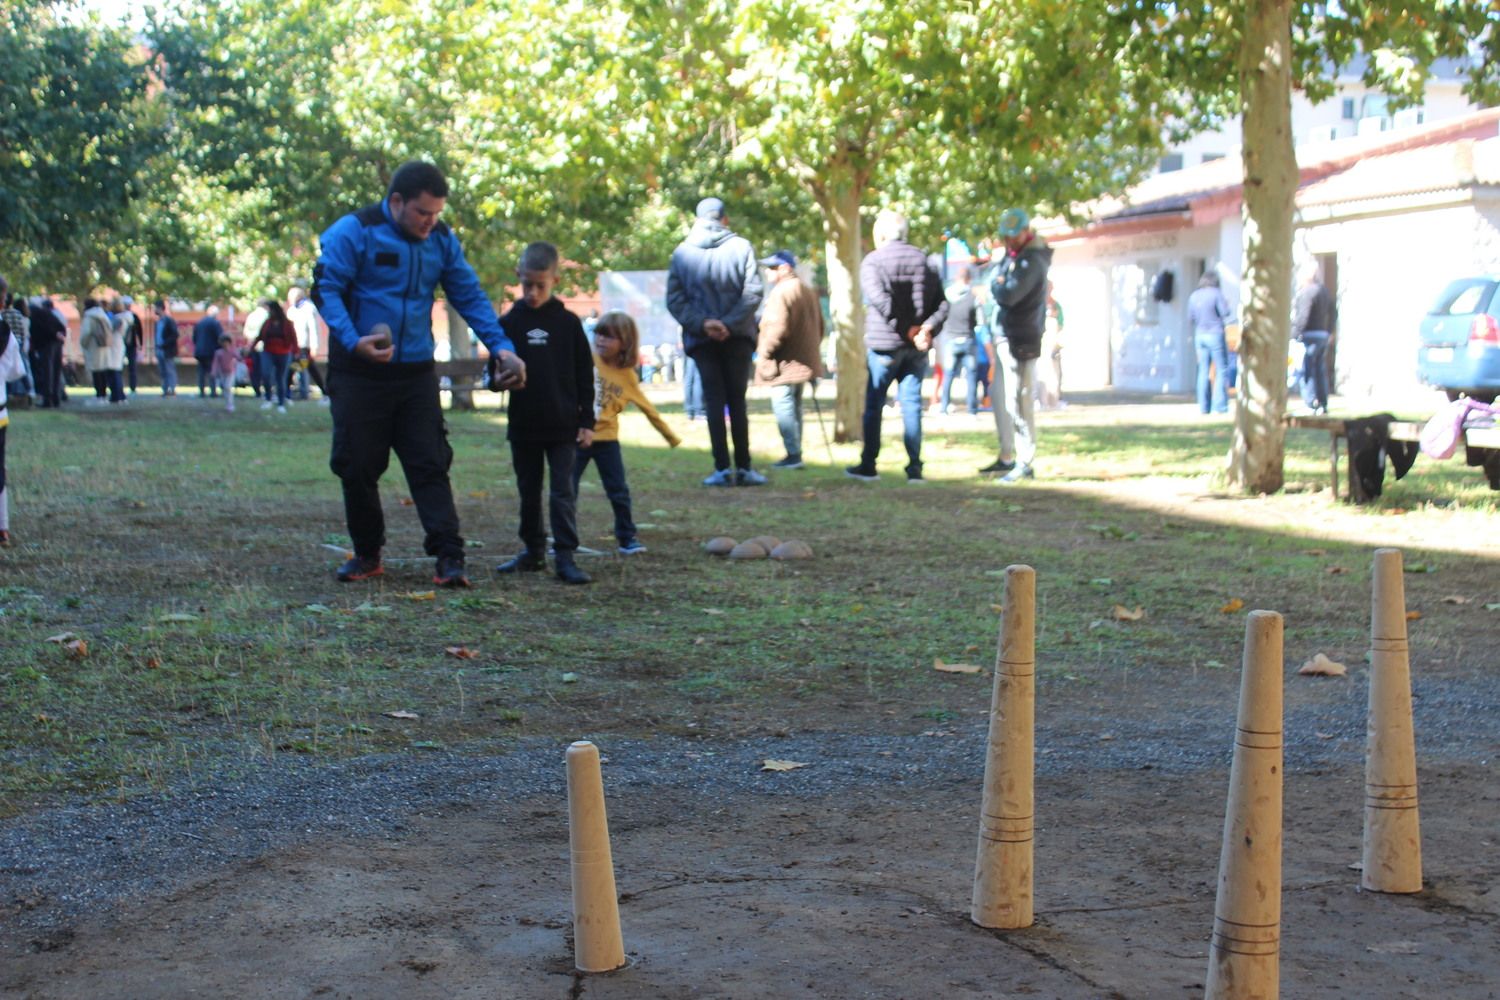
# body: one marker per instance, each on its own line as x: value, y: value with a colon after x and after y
x: 81, y: 142
x: 946, y: 111
x: 1254, y: 54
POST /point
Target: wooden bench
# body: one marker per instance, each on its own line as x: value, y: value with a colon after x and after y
x: 1479, y: 438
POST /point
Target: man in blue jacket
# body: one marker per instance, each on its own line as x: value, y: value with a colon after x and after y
x: 713, y: 289
x: 374, y: 285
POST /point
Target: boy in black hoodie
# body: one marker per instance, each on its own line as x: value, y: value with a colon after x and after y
x: 551, y: 417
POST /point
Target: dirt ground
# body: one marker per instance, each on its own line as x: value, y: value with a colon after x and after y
x: 850, y: 878
x: 859, y: 891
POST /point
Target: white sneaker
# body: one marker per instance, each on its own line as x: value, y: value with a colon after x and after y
x: 281, y: 409
x: 266, y: 405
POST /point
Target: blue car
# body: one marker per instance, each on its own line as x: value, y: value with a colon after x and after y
x: 1460, y: 335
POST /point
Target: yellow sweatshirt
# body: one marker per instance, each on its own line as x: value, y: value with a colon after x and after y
x: 613, y: 388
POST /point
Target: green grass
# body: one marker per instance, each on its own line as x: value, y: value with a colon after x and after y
x: 189, y: 549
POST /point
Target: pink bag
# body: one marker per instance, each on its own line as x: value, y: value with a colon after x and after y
x: 1445, y: 431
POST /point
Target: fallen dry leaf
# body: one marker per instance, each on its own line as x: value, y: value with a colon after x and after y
x: 461, y: 652
x: 77, y: 648
x: 1336, y: 571
x: 1230, y: 608
x: 178, y: 616
x: 1455, y: 599
x: 771, y: 764
x: 1322, y: 666
x: 1323, y: 736
x: 479, y: 494
x: 1124, y: 614
x: 956, y: 668
x: 1412, y: 616
x: 62, y: 637
x: 401, y: 713
x: 152, y: 663
x: 407, y: 502
x: 1315, y: 552
x: 713, y: 611
x: 421, y: 595
x: 998, y: 608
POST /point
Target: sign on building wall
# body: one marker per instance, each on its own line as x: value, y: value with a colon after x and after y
x: 642, y: 295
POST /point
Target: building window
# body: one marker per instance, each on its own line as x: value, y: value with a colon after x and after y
x: 1348, y: 114
x: 1211, y: 157
x: 1169, y: 163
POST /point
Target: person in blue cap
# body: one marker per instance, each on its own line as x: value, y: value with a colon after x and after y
x: 788, y: 354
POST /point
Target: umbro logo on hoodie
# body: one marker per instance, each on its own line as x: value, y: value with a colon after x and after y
x: 536, y: 337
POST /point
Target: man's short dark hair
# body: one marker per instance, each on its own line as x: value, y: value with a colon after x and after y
x: 416, y: 177
x: 539, y: 257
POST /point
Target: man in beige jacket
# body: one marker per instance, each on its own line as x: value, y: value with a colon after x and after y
x: 788, y: 353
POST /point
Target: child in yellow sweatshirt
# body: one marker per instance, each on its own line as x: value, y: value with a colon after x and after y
x: 616, y: 344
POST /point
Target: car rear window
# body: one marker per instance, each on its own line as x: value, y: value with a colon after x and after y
x: 1464, y: 297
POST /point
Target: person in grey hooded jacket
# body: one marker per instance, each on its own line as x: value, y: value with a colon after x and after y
x: 713, y: 290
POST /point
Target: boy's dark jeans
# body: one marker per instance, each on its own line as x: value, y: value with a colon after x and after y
x: 529, y: 458
x: 725, y: 370
x: 611, y: 462
x: 370, y: 418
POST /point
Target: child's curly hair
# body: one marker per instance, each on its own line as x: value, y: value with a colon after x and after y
x: 627, y: 339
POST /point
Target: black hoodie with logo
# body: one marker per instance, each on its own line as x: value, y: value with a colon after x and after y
x: 559, y: 394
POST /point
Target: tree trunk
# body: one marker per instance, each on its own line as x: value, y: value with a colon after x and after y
x: 844, y: 249
x: 1258, y: 450
x: 459, y: 347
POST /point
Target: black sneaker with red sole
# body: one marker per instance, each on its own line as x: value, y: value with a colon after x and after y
x: 359, y: 568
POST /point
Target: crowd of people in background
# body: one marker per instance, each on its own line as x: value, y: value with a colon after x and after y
x: 991, y: 320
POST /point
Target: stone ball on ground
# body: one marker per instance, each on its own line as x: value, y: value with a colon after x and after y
x: 748, y: 550
x: 792, y: 549
x: 767, y: 542
x: 720, y: 546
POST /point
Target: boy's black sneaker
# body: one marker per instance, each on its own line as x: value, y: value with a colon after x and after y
x: 568, y: 571
x: 867, y: 473
x: 523, y: 562
x: 998, y: 465
x: 789, y: 462
x: 359, y: 568
x: 450, y: 572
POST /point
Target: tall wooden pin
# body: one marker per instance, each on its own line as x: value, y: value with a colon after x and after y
x: 1003, y: 872
x: 1244, y: 953
x: 1393, y: 831
x: 597, y: 945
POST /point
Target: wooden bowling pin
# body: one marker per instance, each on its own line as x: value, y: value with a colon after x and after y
x: 1003, y: 872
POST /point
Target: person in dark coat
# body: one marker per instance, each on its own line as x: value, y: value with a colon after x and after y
x: 1019, y: 290
x: 47, y: 337
x: 206, y: 334
x: 713, y: 290
x: 1313, y: 318
x: 904, y: 304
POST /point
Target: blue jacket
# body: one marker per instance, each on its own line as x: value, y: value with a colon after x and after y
x: 369, y: 272
x: 713, y: 275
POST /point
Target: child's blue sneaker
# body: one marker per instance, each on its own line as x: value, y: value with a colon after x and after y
x: 724, y: 477
x: 632, y: 548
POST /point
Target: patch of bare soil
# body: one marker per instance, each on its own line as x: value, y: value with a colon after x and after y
x: 860, y: 893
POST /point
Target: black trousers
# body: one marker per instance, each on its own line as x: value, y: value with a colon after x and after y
x: 370, y: 418
x: 529, y: 458
x: 725, y: 370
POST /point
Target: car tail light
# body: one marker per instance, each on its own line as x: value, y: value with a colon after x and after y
x: 1484, y: 330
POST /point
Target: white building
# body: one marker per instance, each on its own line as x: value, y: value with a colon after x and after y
x: 1391, y: 217
x: 1354, y: 109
